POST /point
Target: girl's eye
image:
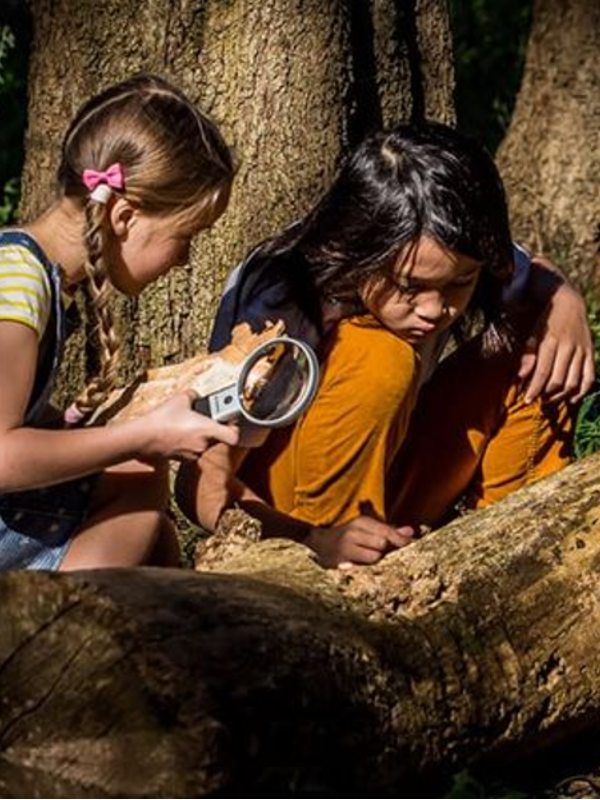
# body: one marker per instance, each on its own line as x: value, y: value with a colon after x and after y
x: 458, y: 284
x: 404, y: 286
x: 466, y: 280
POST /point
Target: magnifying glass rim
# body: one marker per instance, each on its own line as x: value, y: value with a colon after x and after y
x: 309, y: 390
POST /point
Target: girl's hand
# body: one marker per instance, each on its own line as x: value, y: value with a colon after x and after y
x: 363, y: 540
x: 559, y: 359
x: 174, y: 430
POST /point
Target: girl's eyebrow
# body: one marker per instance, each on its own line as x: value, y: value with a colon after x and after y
x: 470, y: 273
x: 409, y: 281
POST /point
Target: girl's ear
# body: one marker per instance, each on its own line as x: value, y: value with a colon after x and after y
x: 121, y: 214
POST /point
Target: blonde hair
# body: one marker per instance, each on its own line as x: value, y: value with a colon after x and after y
x: 175, y: 162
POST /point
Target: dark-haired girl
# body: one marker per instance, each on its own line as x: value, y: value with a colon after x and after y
x: 410, y: 244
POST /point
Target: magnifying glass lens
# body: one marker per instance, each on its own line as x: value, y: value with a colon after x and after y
x: 276, y: 382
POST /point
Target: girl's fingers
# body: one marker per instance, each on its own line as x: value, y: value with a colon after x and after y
x: 544, y: 365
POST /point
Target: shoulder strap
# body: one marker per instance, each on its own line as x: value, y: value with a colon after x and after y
x: 52, y: 343
x: 10, y: 236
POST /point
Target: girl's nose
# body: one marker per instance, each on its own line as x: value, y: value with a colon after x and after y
x: 431, y: 306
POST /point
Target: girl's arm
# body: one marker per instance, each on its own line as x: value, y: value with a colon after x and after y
x: 206, y: 489
x: 34, y: 457
x: 362, y: 540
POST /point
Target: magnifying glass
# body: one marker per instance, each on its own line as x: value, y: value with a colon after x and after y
x: 276, y: 384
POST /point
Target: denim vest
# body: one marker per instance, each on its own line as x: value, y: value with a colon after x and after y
x: 36, y: 525
x: 53, y: 340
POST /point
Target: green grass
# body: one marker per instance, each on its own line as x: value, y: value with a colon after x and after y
x: 587, y: 429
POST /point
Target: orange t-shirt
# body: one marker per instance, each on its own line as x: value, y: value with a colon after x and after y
x: 331, y: 465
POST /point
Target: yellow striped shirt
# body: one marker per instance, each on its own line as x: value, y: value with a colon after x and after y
x: 25, y: 291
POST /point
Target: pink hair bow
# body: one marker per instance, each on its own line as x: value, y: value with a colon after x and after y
x: 72, y: 415
x: 101, y: 183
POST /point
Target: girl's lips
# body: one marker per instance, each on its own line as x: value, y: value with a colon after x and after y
x: 419, y: 333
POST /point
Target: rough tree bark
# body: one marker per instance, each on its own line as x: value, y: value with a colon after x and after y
x: 293, y: 84
x: 550, y: 157
x: 476, y: 644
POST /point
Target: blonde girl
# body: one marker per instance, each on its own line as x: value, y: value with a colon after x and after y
x: 142, y: 172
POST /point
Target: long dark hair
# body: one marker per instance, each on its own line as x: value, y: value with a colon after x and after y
x: 423, y: 178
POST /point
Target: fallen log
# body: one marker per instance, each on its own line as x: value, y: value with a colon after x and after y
x: 269, y: 676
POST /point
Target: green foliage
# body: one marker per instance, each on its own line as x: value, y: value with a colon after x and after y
x: 587, y: 429
x: 490, y: 40
x: 464, y: 785
x: 9, y: 200
x: 15, y: 35
x: 7, y: 42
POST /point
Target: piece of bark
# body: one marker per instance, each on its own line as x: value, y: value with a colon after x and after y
x: 204, y: 373
x: 236, y: 531
x: 273, y: 677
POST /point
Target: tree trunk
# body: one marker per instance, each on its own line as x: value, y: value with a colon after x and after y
x: 292, y: 83
x: 476, y: 644
x: 550, y: 158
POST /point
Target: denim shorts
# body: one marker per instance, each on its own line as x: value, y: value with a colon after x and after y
x: 36, y: 526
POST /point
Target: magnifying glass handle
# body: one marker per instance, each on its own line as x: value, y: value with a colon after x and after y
x: 202, y: 406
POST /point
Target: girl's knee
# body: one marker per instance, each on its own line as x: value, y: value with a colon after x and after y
x: 116, y: 537
x: 136, y: 485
